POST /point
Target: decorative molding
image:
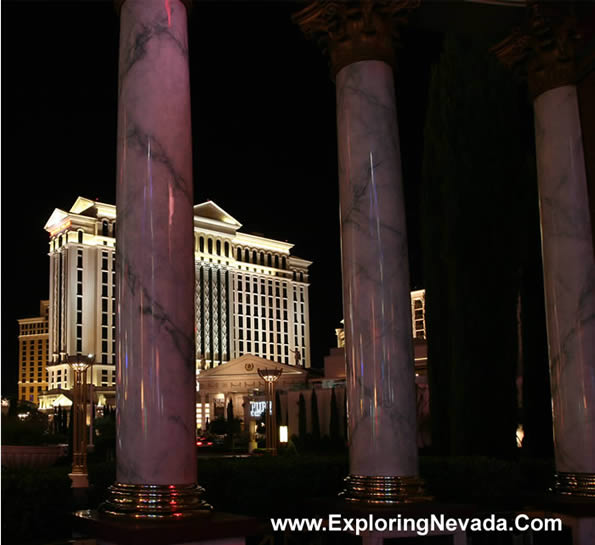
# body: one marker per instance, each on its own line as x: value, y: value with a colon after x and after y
x: 351, y: 32
x: 544, y: 48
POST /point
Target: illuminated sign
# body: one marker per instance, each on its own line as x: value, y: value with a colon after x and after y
x: 61, y: 227
x: 258, y: 407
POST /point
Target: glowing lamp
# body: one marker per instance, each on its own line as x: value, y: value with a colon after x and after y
x: 283, y: 434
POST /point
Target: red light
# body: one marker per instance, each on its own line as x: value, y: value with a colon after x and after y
x: 209, y: 444
x: 199, y: 443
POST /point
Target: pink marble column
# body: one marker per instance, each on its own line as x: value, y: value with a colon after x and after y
x: 156, y: 456
x: 376, y: 300
x: 545, y: 46
x: 569, y: 275
x: 358, y: 37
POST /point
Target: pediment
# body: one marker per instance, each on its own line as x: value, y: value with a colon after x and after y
x: 57, y: 217
x: 248, y: 365
x: 210, y: 210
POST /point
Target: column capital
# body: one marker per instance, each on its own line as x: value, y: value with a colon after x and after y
x: 544, y: 47
x: 351, y: 32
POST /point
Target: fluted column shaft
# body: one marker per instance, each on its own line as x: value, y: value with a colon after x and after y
x: 156, y: 375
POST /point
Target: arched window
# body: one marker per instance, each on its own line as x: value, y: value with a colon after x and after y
x: 261, y: 258
x: 247, y: 255
x: 226, y: 248
x: 284, y: 263
x: 238, y: 254
x: 210, y: 245
x: 269, y: 260
x: 276, y: 261
x: 105, y: 228
x: 60, y: 241
x: 201, y: 244
x: 293, y: 275
x: 218, y: 247
x: 80, y: 236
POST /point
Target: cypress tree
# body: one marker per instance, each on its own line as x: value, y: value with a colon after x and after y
x: 315, y: 417
x: 302, y: 418
x: 334, y: 418
x: 278, y: 413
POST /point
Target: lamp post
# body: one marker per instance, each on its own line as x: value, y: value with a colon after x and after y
x: 79, y: 365
x: 270, y: 376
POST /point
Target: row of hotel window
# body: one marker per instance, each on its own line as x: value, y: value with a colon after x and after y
x: 107, y: 230
x: 106, y: 356
x: 59, y: 380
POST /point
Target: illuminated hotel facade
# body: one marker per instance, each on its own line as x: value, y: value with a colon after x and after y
x: 33, y: 355
x: 251, y: 294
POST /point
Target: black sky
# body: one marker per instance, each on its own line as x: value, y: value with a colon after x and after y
x: 264, y: 136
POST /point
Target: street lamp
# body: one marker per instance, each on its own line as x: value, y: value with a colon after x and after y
x: 79, y: 365
x: 270, y: 376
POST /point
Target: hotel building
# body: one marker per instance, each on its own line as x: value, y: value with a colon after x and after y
x: 33, y: 355
x: 251, y: 294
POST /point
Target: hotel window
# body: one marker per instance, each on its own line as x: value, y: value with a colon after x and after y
x: 210, y: 245
x: 105, y: 228
x: 80, y: 236
x: 238, y: 254
x: 226, y: 246
x: 218, y: 247
x: 79, y: 259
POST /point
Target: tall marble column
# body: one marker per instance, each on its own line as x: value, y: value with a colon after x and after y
x: 546, y: 50
x: 156, y: 457
x: 376, y: 300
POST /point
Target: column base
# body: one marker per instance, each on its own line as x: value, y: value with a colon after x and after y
x: 384, y: 490
x: 152, y: 502
x: 79, y: 480
x: 574, y: 484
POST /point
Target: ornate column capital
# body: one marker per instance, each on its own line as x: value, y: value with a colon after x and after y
x: 359, y: 31
x: 544, y: 48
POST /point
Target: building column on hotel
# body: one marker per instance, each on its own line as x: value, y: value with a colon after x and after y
x: 545, y: 49
x: 376, y: 300
x: 156, y: 453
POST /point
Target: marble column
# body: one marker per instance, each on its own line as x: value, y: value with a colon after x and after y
x: 545, y: 50
x: 376, y: 301
x: 156, y: 457
x: 569, y: 278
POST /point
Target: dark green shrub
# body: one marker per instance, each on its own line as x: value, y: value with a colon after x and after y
x: 36, y: 503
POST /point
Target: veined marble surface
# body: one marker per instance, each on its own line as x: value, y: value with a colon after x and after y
x: 155, y: 265
x: 377, y: 307
x: 569, y: 274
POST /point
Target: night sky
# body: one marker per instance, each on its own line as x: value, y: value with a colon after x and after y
x: 264, y: 136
